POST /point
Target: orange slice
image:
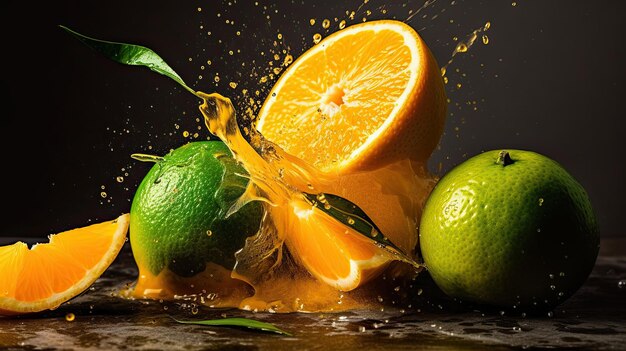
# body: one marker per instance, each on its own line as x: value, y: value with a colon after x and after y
x: 333, y: 253
x: 366, y: 96
x: 47, y: 275
x: 367, y: 105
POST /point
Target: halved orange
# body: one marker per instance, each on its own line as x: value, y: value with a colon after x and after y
x: 47, y: 275
x: 366, y: 106
x: 366, y: 96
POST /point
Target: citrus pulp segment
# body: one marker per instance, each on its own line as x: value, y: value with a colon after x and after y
x: 46, y: 275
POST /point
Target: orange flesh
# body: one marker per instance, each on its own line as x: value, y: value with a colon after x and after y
x: 345, y: 99
x: 49, y: 274
x: 51, y: 268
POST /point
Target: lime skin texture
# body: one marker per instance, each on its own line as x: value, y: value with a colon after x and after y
x: 178, y: 213
x: 509, y: 228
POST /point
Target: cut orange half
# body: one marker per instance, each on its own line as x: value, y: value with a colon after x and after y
x: 367, y: 105
x: 366, y: 96
x: 47, y: 275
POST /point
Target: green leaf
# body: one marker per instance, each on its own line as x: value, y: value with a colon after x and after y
x: 353, y: 216
x: 129, y: 54
x: 239, y: 322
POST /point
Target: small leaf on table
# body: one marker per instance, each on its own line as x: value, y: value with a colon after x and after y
x: 239, y: 322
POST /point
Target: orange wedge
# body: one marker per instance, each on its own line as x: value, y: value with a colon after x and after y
x: 366, y: 96
x: 366, y: 105
x: 333, y: 253
x: 47, y: 275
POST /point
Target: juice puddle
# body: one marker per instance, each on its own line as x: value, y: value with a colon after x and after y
x: 303, y: 259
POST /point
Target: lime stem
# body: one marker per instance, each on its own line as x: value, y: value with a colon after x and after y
x: 504, y: 158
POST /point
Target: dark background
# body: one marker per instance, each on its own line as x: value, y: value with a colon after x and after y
x: 551, y: 79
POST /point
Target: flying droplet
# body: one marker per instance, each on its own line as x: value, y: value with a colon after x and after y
x: 325, y: 23
x: 461, y: 47
x: 342, y: 24
x: 317, y: 37
x: 70, y: 317
x: 119, y: 179
x: 103, y: 194
x: 485, y: 39
x: 312, y: 21
x: 288, y: 60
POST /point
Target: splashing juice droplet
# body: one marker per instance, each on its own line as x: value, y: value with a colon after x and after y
x: 485, y: 39
x: 342, y: 24
x: 326, y: 23
x: 288, y: 60
x: 70, y: 317
x: 317, y: 37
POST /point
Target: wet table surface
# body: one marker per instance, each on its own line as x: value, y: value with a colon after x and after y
x: 594, y: 318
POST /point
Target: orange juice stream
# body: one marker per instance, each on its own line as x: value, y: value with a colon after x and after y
x: 272, y: 261
x: 279, y: 269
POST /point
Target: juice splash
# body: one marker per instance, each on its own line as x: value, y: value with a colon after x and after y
x: 345, y: 209
x: 272, y: 261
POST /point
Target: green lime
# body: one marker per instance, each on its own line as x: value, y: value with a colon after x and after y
x: 177, y: 216
x: 509, y: 229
